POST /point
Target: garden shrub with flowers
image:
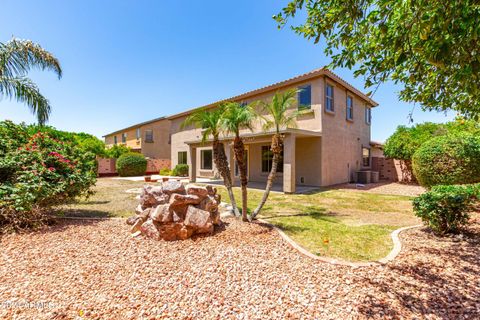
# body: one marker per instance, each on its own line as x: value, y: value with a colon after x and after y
x: 39, y: 170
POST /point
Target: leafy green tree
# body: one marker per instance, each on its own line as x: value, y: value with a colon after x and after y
x: 210, y: 121
x: 234, y: 118
x: 276, y: 114
x: 432, y: 47
x: 17, y: 58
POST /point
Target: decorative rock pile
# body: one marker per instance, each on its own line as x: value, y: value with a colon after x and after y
x: 172, y: 212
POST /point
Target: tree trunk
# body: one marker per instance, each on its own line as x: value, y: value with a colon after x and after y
x: 276, y: 147
x: 239, y: 151
x: 223, y: 168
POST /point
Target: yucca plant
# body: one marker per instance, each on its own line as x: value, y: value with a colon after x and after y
x: 17, y: 58
x: 210, y: 121
x: 236, y: 117
x: 276, y: 115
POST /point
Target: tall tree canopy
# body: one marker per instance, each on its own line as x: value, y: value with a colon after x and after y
x: 432, y: 47
x: 17, y: 58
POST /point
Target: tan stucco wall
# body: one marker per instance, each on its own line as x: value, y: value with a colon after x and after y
x: 159, y: 149
x: 330, y: 160
x: 342, y: 140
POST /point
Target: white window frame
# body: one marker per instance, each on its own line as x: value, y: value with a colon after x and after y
x: 124, y: 137
x: 369, y: 157
x: 368, y: 115
x: 115, y: 140
x: 349, y: 117
x: 329, y: 98
x: 147, y: 132
x: 178, y: 157
x: 138, y: 133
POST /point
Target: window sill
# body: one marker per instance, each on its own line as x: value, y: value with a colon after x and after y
x: 332, y: 113
x: 349, y: 120
x: 305, y: 111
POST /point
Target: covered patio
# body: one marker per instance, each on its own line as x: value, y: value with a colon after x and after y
x: 300, y: 172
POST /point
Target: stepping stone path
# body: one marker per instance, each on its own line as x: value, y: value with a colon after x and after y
x: 171, y: 211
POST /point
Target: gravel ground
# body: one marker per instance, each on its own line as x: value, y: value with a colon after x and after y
x: 392, y: 188
x: 94, y: 270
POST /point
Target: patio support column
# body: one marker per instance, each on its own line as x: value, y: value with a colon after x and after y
x: 192, y: 169
x: 289, y: 178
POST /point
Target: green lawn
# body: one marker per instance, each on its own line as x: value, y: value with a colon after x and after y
x: 344, y: 224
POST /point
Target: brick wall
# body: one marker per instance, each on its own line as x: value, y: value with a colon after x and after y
x: 106, y: 167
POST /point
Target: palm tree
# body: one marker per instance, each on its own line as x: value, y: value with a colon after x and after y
x: 236, y: 117
x: 276, y: 115
x: 17, y: 58
x: 210, y: 121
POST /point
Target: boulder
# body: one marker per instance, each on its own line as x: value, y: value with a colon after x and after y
x: 200, y: 192
x: 150, y: 229
x: 162, y: 213
x: 170, y: 187
x: 199, y: 220
x: 171, y: 212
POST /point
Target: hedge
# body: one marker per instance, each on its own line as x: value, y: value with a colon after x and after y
x: 131, y: 164
x: 447, y: 160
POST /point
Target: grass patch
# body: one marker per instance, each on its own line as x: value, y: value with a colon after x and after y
x: 344, y: 224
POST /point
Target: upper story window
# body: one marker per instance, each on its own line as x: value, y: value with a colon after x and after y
x: 124, y: 137
x: 329, y: 98
x: 305, y: 97
x: 368, y: 115
x: 182, y: 157
x: 148, y: 135
x: 137, y: 134
x: 366, y: 157
x: 349, y: 107
x: 206, y: 157
x: 115, y: 141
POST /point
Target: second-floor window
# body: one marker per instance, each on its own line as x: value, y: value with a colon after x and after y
x: 124, y: 137
x: 148, y: 135
x: 368, y: 115
x: 137, y: 133
x: 182, y: 157
x: 349, y: 108
x: 329, y: 98
x: 115, y: 141
x: 305, y: 97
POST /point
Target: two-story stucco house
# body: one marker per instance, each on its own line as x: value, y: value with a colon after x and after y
x: 151, y: 138
x: 330, y: 143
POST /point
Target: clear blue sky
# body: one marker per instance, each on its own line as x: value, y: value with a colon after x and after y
x: 130, y: 61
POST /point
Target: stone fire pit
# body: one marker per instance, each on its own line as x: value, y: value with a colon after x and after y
x: 172, y: 211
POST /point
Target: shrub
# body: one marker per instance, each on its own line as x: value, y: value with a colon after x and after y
x: 166, y: 172
x: 131, y: 164
x: 116, y: 151
x: 450, y: 159
x: 180, y: 170
x: 446, y: 208
x: 38, y: 171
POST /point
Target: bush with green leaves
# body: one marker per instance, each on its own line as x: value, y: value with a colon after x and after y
x: 165, y: 172
x: 38, y: 171
x: 450, y: 159
x: 445, y: 209
x: 180, y: 170
x: 131, y: 164
x: 116, y: 151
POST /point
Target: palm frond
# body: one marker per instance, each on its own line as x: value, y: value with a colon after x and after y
x: 207, y: 119
x: 24, y: 90
x: 236, y: 117
x: 278, y: 114
x: 18, y: 56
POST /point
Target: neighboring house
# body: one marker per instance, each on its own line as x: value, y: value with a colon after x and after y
x: 330, y: 143
x: 151, y: 138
